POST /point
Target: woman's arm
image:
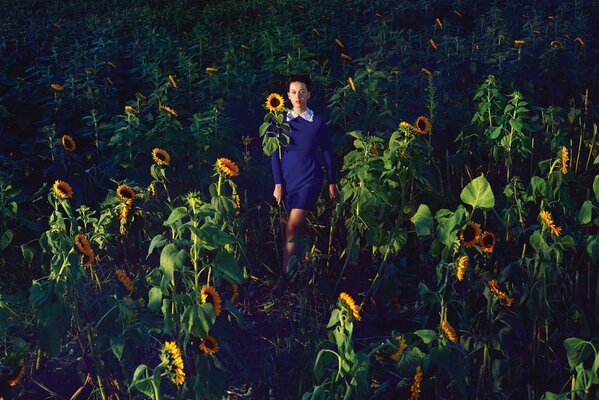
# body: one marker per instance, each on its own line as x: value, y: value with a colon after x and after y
x: 325, y: 144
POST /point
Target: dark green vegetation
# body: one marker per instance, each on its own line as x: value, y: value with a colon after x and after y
x: 509, y: 92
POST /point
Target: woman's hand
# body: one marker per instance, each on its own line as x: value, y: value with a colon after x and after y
x: 278, y: 193
x: 333, y: 192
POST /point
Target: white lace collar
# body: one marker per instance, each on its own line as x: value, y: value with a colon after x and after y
x: 308, y: 115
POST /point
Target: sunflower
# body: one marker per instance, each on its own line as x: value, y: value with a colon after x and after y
x: 405, y: 125
x: 124, y: 279
x: 416, y: 382
x: 82, y: 244
x: 172, y: 81
x: 556, y: 44
x: 125, y: 192
x: 438, y: 21
x: 275, y: 102
x: 487, y: 242
x: 350, y: 304
x: 211, y: 69
x: 462, y: 267
x: 339, y: 43
x: 235, y: 293
x: 401, y: 346
x: 171, y: 355
x: 494, y: 289
x: 227, y: 167
x: 346, y: 57
x: 62, y: 190
x: 352, y: 85
x: 209, y: 345
x: 17, y: 377
x: 548, y: 220
x: 564, y: 160
x: 88, y: 259
x: 426, y: 72
x: 210, y: 295
x: 56, y: 87
x: 579, y: 42
x: 130, y: 109
x: 433, y: 44
x: 470, y: 234
x: 449, y: 331
x: 518, y: 42
x: 68, y: 143
x: 422, y: 125
x: 160, y: 156
x: 169, y: 110
x: 152, y: 190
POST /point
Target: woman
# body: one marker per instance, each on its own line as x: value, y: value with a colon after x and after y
x: 298, y: 174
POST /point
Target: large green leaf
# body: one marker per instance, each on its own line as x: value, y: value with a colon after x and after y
x: 227, y: 264
x: 423, y: 220
x: 177, y: 214
x: 171, y: 258
x: 596, y: 187
x: 577, y: 351
x: 478, y: 194
x: 586, y: 213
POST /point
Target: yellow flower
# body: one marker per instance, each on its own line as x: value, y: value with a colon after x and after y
x: 169, y: 110
x: 209, y: 295
x: 422, y: 125
x: 401, y: 346
x: 350, y: 304
x: 160, y: 156
x: 548, y: 220
x: 124, y: 279
x: 494, y: 289
x: 17, y: 377
x: 404, y: 124
x: 487, y: 242
x: 125, y: 210
x: 470, y: 234
x: 209, y: 345
x: 62, y: 190
x: 339, y: 43
x: 275, y: 102
x: 211, y: 69
x: 68, y: 143
x: 152, y: 190
x: 352, y: 85
x: 227, y: 167
x: 519, y: 42
x: 130, y: 109
x: 172, y: 356
x: 564, y: 160
x: 56, y: 87
x: 172, y: 81
x: 433, y: 43
x: 125, y: 192
x: 416, y: 382
x: 449, y: 331
x: 346, y: 57
x: 462, y: 267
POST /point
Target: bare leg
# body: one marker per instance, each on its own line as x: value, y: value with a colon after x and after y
x: 296, y: 225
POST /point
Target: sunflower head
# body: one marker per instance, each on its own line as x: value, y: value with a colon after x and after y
x: 62, y: 190
x: 564, y: 160
x: 470, y: 234
x: 449, y: 331
x: 349, y: 303
x: 227, y: 167
x: 275, y: 102
x: 160, y: 156
x: 171, y: 356
x: 172, y: 81
x: 68, y: 143
x: 125, y: 192
x: 169, y: 110
x: 209, y: 345
x: 423, y: 126
x: 401, y: 346
x: 209, y: 295
x: 56, y: 87
x: 487, y: 242
x: 462, y: 267
x: 352, y: 85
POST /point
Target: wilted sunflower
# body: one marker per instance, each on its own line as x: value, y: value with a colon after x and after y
x: 548, y: 220
x: 564, y: 160
x: 88, y: 259
x: 416, y: 382
x: 422, y: 125
x: 56, y: 87
x: 68, y: 143
x: 487, y: 242
x: 172, y: 81
x: 169, y: 110
x: 227, y: 167
x: 125, y: 192
x: 124, y: 279
x: 462, y: 267
x: 209, y: 345
x: 347, y: 300
x: 171, y: 355
x: 470, y: 234
x: 161, y: 156
x: 401, y: 346
x: 62, y: 190
x: 82, y: 244
x: 275, y: 102
x: 209, y: 295
x: 494, y: 289
x: 449, y: 331
x: 352, y: 85
x: 12, y: 382
x: 235, y: 293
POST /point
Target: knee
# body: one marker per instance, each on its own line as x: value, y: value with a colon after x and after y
x: 293, y: 229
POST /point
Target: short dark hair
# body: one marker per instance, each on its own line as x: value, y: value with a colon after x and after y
x: 305, y: 79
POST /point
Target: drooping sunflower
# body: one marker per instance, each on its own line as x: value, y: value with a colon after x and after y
x: 130, y: 109
x: 348, y: 302
x: 88, y: 259
x: 169, y: 110
x: 470, y: 234
x: 346, y: 57
x: 209, y: 295
x: 422, y: 125
x: 68, y: 143
x: 12, y: 382
x: 433, y: 43
x: 125, y: 192
x: 211, y: 69
x: 556, y: 44
x: 494, y: 289
x: 171, y: 355
x: 339, y: 43
x: 518, y: 42
x: 209, y: 345
x: 449, y: 331
x: 401, y: 346
x: 172, y: 81
x: 461, y: 268
x: 487, y: 242
x: 62, y: 190
x: 227, y: 167
x: 426, y: 72
x: 275, y: 102
x: 416, y: 382
x: 124, y: 279
x: 438, y: 21
x: 56, y: 87
x: 161, y: 156
x: 352, y: 85
x: 564, y: 160
x: 235, y: 293
x: 82, y: 244
x: 548, y: 220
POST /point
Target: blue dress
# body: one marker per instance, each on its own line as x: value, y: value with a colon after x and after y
x: 298, y: 169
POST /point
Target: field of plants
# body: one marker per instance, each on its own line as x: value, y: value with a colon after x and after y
x: 141, y: 246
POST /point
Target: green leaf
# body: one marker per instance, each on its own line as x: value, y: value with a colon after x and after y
x: 155, y: 299
x: 427, y: 295
x: 427, y: 335
x: 27, y: 253
x: 144, y: 385
x: 577, y: 351
x: 478, y: 194
x: 6, y: 239
x: 596, y: 187
x: 157, y: 241
x: 593, y: 247
x: 555, y: 396
x: 177, y: 214
x: 117, y: 344
x: 171, y: 258
x: 228, y: 265
x: 423, y: 220
x: 586, y: 213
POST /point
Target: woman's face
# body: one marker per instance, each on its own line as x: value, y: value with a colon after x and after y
x: 298, y: 95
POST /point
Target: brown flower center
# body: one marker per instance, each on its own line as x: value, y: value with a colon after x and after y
x: 274, y: 102
x: 469, y: 233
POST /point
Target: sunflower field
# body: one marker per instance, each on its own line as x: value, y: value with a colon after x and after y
x: 141, y: 246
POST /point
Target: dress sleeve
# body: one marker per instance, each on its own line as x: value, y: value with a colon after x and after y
x: 325, y: 144
x: 277, y: 171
